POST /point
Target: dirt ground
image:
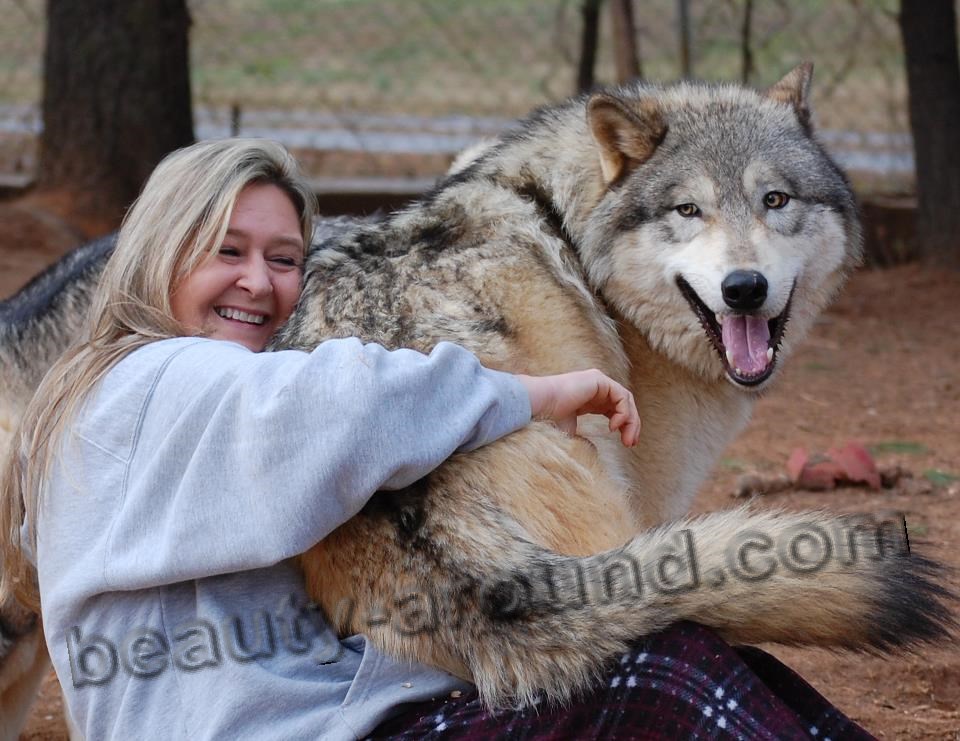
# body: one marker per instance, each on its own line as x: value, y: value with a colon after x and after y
x: 882, y: 366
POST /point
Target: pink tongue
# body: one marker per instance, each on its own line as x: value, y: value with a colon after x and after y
x: 746, y: 339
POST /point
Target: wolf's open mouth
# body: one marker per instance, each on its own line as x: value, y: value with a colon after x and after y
x: 747, y: 344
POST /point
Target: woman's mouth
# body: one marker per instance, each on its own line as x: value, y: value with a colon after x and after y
x: 240, y: 316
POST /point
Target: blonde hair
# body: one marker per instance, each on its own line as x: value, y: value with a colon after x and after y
x: 180, y: 218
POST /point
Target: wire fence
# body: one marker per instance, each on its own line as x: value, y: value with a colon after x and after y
x: 395, y: 79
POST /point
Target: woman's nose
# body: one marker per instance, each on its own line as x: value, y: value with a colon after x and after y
x: 256, y: 277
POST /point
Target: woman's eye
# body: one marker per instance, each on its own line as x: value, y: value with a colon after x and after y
x: 776, y: 199
x: 688, y: 210
x: 289, y: 262
x: 228, y: 251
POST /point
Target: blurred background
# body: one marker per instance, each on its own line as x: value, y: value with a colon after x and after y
x: 390, y: 90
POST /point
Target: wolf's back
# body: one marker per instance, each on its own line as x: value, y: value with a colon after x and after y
x: 41, y: 320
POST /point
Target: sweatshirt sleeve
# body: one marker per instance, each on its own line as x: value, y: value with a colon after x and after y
x: 242, y: 459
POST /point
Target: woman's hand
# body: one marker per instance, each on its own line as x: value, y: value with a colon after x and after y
x: 564, y: 397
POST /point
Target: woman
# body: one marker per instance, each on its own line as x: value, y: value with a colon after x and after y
x: 167, y: 471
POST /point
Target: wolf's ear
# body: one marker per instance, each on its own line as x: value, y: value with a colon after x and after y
x: 794, y: 89
x: 627, y: 135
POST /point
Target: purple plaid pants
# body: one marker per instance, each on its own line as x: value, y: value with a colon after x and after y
x: 682, y: 683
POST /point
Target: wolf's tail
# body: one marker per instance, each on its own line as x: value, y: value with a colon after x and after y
x: 550, y: 622
x: 482, y: 601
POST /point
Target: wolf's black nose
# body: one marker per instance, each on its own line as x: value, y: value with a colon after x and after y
x: 744, y: 290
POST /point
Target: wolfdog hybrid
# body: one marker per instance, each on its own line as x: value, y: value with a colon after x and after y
x: 681, y: 239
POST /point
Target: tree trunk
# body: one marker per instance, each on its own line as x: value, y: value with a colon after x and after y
x: 746, y: 43
x: 683, y: 32
x: 590, y: 12
x: 116, y: 98
x: 933, y: 80
x: 626, y: 55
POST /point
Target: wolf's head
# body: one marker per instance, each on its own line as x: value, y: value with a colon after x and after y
x: 723, y: 228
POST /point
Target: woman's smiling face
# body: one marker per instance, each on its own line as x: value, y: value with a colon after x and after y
x: 249, y: 288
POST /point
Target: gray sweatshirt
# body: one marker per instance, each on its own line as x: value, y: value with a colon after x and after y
x: 194, y: 471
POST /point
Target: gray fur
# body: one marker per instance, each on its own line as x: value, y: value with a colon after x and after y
x: 45, y: 316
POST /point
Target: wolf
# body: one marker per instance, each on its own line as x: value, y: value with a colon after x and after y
x: 682, y: 239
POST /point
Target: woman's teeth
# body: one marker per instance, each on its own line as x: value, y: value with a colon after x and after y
x: 241, y: 316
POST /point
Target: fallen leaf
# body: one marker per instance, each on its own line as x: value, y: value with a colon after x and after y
x: 795, y: 463
x: 820, y: 473
x: 898, y: 446
x: 939, y: 478
x: 857, y: 464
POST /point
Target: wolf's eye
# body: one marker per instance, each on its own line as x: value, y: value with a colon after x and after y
x: 688, y: 210
x: 776, y: 199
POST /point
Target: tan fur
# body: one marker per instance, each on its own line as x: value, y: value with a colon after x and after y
x: 21, y: 673
x: 627, y: 135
